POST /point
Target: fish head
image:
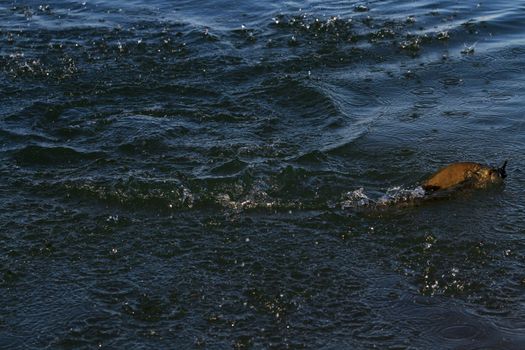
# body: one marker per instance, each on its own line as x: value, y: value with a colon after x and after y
x: 487, y: 176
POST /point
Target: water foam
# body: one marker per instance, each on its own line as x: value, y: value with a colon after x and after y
x: 394, y: 195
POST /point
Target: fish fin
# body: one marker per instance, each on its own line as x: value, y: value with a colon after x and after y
x: 501, y: 170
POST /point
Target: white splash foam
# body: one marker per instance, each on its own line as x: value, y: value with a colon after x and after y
x: 394, y: 195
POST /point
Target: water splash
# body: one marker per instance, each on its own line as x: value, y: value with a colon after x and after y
x: 355, y: 199
x: 399, y: 194
x: 395, y: 195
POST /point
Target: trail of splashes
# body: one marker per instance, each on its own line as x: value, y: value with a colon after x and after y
x: 395, y: 195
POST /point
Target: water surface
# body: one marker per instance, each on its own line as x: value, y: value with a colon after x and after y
x: 182, y: 174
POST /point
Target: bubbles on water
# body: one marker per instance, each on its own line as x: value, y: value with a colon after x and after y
x: 19, y: 67
x: 356, y: 198
x: 383, y: 33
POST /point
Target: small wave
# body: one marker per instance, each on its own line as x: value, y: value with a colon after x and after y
x: 301, y: 95
x: 35, y: 154
x: 311, y: 157
x: 20, y: 134
x: 234, y: 166
x: 144, y: 145
x: 131, y: 192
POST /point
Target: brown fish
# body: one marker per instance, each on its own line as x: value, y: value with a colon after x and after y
x: 464, y: 175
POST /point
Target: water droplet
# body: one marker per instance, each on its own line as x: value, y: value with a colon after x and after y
x: 468, y: 49
x: 443, y: 35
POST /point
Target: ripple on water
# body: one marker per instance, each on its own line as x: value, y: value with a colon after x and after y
x: 426, y: 103
x: 451, y: 81
x: 460, y: 332
x: 423, y: 90
x: 112, y: 289
x: 453, y: 328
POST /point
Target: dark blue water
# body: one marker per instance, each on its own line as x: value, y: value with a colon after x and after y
x: 183, y: 174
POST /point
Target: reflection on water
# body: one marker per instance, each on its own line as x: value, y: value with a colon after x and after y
x: 239, y: 174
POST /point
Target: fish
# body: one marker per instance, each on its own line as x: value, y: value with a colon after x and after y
x: 464, y: 175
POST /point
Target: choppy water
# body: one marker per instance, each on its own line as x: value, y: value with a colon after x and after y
x: 184, y: 174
